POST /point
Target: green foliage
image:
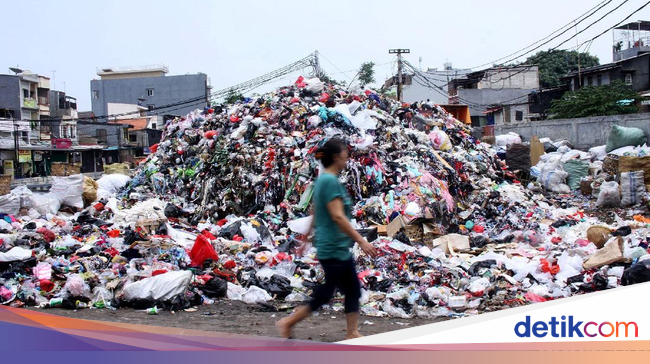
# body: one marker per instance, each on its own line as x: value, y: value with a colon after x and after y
x: 233, y: 96
x: 595, y: 101
x: 327, y: 79
x: 367, y: 73
x: 557, y: 63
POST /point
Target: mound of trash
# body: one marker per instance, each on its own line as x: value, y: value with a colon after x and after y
x: 220, y: 206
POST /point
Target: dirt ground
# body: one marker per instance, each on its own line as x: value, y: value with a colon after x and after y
x: 240, y: 318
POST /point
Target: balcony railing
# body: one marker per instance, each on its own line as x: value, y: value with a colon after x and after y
x: 43, y: 101
x: 30, y: 103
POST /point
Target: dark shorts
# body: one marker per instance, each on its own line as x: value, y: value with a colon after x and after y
x: 339, y: 274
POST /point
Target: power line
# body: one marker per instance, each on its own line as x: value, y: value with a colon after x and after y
x: 543, y: 56
x: 306, y: 61
x: 569, y: 25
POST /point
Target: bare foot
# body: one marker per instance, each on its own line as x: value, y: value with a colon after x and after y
x: 284, y: 328
x: 354, y: 335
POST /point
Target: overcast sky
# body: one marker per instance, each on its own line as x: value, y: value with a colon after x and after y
x: 233, y: 41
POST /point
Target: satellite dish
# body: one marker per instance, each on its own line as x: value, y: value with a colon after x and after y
x: 15, y: 70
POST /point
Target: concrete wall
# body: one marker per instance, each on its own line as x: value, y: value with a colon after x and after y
x: 167, y: 90
x: 491, y: 97
x: 583, y: 133
x: 511, y: 78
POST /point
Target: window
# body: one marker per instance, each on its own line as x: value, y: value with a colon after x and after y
x: 102, y: 136
x: 25, y: 93
x: 519, y: 115
x: 628, y: 78
x: 151, y: 107
x: 590, y: 80
x: 149, y: 92
x: 599, y: 80
x: 153, y: 125
x: 133, y: 138
x: 95, y: 94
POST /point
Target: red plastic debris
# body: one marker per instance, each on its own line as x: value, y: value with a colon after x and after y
x: 229, y: 264
x: 202, y: 250
x: 113, y: 233
x: 548, y: 267
x: 48, y: 235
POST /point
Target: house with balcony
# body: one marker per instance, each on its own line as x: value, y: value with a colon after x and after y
x: 24, y: 99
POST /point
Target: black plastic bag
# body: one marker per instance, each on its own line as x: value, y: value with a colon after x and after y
x: 637, y: 273
x: 478, y: 241
x: 474, y: 269
x: 215, y: 288
x: 172, y: 210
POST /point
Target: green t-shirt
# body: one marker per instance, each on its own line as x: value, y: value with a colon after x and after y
x: 329, y: 240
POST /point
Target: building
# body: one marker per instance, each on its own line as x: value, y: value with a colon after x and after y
x: 493, y: 87
x: 148, y: 86
x: 630, y: 40
x: 634, y: 71
x: 414, y: 90
x: 23, y: 101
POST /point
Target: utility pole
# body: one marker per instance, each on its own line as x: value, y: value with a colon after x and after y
x: 399, y: 69
x: 316, y: 65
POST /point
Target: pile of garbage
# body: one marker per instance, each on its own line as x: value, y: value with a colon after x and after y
x: 220, y: 206
x: 611, y: 175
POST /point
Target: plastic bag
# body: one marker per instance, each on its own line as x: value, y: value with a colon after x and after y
x: 202, y: 250
x: 576, y: 170
x: 69, y: 190
x: 75, y: 285
x: 632, y: 188
x: 439, y: 139
x: 609, y: 195
x: 26, y: 197
x: 255, y: 295
x: 89, y: 190
x: 551, y: 178
x: 161, y: 287
x: 235, y: 292
x: 301, y: 226
x: 507, y: 139
x: 599, y: 152
x: 621, y: 136
x: 10, y: 204
x: 14, y: 254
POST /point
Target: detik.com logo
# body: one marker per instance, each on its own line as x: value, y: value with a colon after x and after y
x: 571, y: 328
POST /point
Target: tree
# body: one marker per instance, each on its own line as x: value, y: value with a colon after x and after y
x: 367, y: 73
x: 554, y: 64
x: 233, y: 96
x: 327, y: 79
x: 612, y: 99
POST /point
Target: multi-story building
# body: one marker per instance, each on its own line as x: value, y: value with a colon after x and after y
x: 494, y: 87
x: 148, y: 86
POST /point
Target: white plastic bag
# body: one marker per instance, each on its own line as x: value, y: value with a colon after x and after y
x: 632, y: 188
x: 10, y: 204
x: 235, y: 292
x: 15, y: 254
x: 300, y: 226
x: 598, y: 152
x: 507, y: 139
x: 160, y: 287
x: 255, y: 295
x: 551, y: 178
x: 69, y: 190
x: 609, y: 195
x: 110, y: 184
x: 48, y: 203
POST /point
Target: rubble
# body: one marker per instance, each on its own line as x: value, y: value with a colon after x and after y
x: 219, y: 208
